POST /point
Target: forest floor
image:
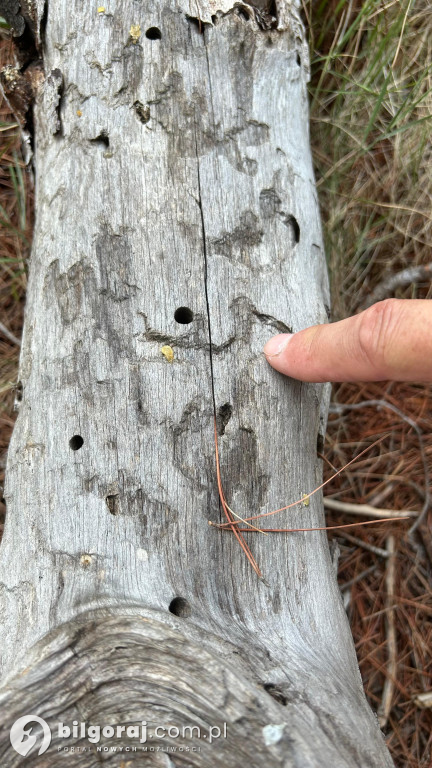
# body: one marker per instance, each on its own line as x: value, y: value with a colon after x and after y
x: 371, y: 112
x: 371, y: 135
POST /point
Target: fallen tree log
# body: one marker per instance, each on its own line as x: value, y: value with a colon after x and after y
x: 177, y: 229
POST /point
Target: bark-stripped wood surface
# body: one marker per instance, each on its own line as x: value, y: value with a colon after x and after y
x: 173, y: 183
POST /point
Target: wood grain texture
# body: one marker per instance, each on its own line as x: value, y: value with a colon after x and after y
x: 177, y: 173
x: 158, y: 675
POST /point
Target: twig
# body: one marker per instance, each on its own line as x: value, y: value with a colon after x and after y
x: 423, y: 700
x: 9, y: 335
x: 388, y: 689
x: 358, y: 577
x: 377, y: 498
x: 425, y: 536
x: 364, y: 545
x: 346, y: 589
x: 399, y: 280
x: 419, y: 606
x: 339, y: 408
x: 366, y: 509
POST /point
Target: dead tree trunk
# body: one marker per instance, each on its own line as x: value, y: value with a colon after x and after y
x: 176, y: 209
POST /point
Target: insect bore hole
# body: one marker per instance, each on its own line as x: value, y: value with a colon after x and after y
x: 295, y: 228
x: 183, y: 315
x: 179, y: 606
x: 153, y: 33
x: 223, y: 416
x: 76, y: 442
x: 276, y: 693
x: 196, y: 23
x: 19, y: 392
x: 101, y: 140
x: 142, y: 110
x: 112, y: 502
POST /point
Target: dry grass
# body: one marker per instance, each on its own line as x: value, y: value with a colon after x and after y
x: 16, y: 228
x: 370, y: 130
x: 371, y: 105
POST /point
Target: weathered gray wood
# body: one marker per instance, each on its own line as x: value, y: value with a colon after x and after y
x: 174, y: 172
x: 157, y: 675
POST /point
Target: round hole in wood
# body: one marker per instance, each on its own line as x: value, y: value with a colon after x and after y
x: 179, y: 606
x: 76, y: 442
x: 153, y: 33
x: 183, y: 315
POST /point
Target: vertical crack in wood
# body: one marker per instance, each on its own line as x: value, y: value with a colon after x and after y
x: 206, y: 293
x: 205, y: 277
x: 206, y: 285
x: 222, y: 502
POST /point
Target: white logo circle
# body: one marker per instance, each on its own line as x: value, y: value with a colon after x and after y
x: 23, y: 740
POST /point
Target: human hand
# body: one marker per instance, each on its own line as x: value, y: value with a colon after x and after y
x: 390, y: 340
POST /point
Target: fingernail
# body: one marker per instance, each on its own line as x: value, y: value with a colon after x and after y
x: 277, y: 344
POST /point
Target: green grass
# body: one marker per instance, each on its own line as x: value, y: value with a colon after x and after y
x: 15, y: 227
x: 371, y: 105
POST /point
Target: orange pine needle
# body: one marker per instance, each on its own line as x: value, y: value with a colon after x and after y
x: 323, y: 528
x: 300, y: 501
x: 234, y: 525
x: 228, y: 515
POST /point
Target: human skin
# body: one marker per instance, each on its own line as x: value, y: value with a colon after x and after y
x: 392, y: 340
